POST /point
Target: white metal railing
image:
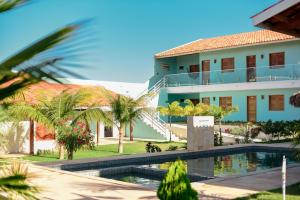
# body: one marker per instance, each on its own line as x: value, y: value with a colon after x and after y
x: 237, y: 75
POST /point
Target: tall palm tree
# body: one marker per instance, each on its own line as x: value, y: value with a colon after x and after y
x: 119, y: 115
x: 136, y: 109
x: 171, y: 110
x: 59, y: 112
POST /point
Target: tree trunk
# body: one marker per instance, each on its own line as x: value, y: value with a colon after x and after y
x: 120, y: 147
x: 70, y: 155
x: 61, y: 152
x: 131, y: 131
x: 97, y: 133
x: 31, y: 137
x: 220, y: 139
x: 170, y: 121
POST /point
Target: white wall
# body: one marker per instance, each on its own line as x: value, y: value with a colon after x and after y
x: 16, y: 136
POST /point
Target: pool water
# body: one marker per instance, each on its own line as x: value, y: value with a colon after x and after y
x: 216, y: 166
x: 234, y: 164
x: 147, y: 181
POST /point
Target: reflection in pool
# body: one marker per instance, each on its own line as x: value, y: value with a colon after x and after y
x: 234, y: 164
x: 215, y: 166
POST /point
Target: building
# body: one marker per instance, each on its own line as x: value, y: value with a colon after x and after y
x: 257, y: 71
x: 30, y: 136
x: 282, y: 16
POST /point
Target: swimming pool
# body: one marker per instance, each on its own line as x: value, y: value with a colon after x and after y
x: 149, y: 169
x: 210, y: 167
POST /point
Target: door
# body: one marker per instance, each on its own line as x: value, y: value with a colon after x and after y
x: 251, y: 108
x: 108, y: 131
x: 205, y: 72
x: 251, y: 68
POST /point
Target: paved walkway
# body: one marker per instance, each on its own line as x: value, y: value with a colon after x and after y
x: 56, y: 185
x: 62, y: 185
x: 239, y: 186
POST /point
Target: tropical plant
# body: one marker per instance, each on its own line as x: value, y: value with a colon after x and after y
x: 190, y: 109
x: 61, y: 113
x: 14, y: 182
x: 176, y: 185
x: 171, y: 110
x: 172, y: 148
x: 135, y: 110
x: 119, y: 115
x: 75, y: 137
x: 152, y: 148
x: 219, y: 113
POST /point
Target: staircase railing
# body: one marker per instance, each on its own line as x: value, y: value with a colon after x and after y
x: 154, y: 89
x: 154, y: 118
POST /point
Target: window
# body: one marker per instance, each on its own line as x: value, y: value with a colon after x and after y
x: 276, y: 59
x: 194, y: 68
x: 195, y: 101
x: 206, y: 100
x: 181, y: 67
x: 227, y: 64
x: 225, y: 102
x: 276, y: 102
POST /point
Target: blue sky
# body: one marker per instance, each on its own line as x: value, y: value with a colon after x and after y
x: 128, y: 32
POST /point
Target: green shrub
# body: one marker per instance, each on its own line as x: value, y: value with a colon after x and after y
x: 172, y: 148
x: 238, y: 131
x: 176, y: 185
x: 152, y: 148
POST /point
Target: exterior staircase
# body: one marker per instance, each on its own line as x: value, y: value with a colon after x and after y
x: 153, y: 120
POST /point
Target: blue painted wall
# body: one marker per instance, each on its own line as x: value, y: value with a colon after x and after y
x: 292, y: 57
x: 239, y: 98
x: 143, y: 131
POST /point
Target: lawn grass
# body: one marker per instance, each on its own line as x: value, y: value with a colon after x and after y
x: 292, y: 193
x: 104, y: 151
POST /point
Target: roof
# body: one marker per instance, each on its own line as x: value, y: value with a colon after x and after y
x: 34, y: 93
x: 227, y: 41
x: 282, y: 16
x: 268, y: 8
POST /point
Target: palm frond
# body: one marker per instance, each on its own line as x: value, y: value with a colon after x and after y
x: 13, y: 181
x: 6, y: 5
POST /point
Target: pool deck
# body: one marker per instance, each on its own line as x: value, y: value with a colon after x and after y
x: 58, y: 184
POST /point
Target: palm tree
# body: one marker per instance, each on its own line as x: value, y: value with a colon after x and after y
x: 219, y: 113
x: 171, y: 110
x: 46, y: 58
x: 135, y: 109
x: 13, y: 181
x: 119, y: 115
x: 59, y: 113
x: 195, y: 110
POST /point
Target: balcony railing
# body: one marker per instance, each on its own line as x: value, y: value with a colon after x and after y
x: 238, y: 75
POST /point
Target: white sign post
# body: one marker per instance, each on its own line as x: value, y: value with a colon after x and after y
x: 283, y: 177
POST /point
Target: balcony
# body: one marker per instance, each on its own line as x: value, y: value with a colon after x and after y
x: 238, y: 75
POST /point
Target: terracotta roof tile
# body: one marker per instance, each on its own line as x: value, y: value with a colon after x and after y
x: 34, y: 93
x: 227, y: 41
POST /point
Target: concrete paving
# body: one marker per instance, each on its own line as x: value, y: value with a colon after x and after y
x: 62, y: 185
x: 58, y: 184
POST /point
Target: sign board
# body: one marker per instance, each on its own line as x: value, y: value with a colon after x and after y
x: 203, y: 121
